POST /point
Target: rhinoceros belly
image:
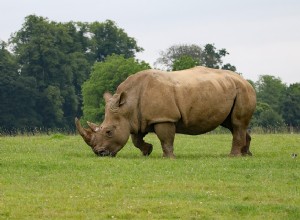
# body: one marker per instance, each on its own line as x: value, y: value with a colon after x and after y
x: 202, y: 120
x: 204, y: 109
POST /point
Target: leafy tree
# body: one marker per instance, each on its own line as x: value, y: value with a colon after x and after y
x: 208, y: 56
x: 8, y: 64
x: 270, y: 90
x: 290, y: 106
x: 230, y: 67
x: 59, y: 56
x: 270, y: 119
x: 8, y: 75
x: 175, y: 52
x: 212, y: 57
x: 109, y: 39
x: 43, y: 50
x: 17, y: 94
x: 184, y: 62
x: 52, y: 106
x: 106, y: 76
x: 264, y: 116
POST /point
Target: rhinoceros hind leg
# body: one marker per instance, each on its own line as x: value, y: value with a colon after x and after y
x: 237, y: 122
x: 138, y: 141
x: 245, y: 149
x: 166, y: 134
x: 238, y: 141
x: 237, y: 137
x: 241, y: 139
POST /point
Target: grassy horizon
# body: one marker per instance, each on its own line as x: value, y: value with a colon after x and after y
x: 59, y: 177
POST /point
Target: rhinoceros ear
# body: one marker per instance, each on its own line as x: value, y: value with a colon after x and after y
x: 122, y: 99
x: 118, y: 100
x: 93, y: 126
x: 107, y: 96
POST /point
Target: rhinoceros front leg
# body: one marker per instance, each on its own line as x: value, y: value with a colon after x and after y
x: 166, y: 134
x: 137, y: 140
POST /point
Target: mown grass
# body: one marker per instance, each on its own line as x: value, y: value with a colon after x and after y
x: 58, y: 177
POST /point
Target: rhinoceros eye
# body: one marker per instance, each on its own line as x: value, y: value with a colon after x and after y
x: 109, y: 133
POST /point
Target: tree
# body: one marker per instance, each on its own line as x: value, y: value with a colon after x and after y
x: 184, y: 62
x: 208, y: 56
x: 17, y: 95
x: 8, y: 63
x: 230, y: 67
x: 59, y: 57
x: 270, y: 90
x: 264, y: 116
x: 44, y: 50
x: 270, y: 119
x: 290, y: 106
x: 106, y: 76
x: 109, y: 39
x: 8, y: 74
x: 211, y: 57
x: 175, y: 52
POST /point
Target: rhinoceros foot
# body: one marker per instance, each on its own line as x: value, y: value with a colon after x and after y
x: 147, y: 149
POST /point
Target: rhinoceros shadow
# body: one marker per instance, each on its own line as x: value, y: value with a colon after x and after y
x: 200, y: 156
x: 185, y: 156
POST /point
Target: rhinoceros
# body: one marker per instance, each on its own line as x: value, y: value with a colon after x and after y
x: 192, y: 102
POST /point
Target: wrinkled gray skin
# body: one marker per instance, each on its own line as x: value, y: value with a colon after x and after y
x: 193, y: 101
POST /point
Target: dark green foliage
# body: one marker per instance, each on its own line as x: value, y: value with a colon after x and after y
x: 41, y: 80
x: 266, y: 117
x: 212, y: 58
x: 105, y: 77
x: 270, y: 98
x: 278, y: 104
x: 207, y: 56
x: 109, y: 39
x: 270, y: 118
x: 184, y: 62
x: 230, y: 67
x: 52, y: 54
x: 270, y: 90
x: 17, y: 94
x: 175, y: 52
x: 290, y: 106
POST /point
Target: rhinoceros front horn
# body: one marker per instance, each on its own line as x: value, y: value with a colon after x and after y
x: 82, y: 131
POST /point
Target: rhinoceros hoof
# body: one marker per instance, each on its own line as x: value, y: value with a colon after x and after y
x: 147, y: 149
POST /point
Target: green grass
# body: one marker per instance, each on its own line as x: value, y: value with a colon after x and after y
x: 59, y: 177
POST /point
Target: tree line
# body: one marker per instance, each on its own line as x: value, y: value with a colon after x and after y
x: 51, y: 72
x: 44, y: 64
x: 278, y: 104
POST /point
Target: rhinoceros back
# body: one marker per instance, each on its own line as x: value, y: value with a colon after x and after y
x: 197, y: 100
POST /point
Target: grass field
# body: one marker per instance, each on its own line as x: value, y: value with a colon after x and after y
x: 59, y: 177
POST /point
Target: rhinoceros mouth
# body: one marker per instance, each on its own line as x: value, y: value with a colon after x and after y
x: 105, y: 153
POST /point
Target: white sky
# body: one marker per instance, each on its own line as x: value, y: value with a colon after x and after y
x: 262, y: 36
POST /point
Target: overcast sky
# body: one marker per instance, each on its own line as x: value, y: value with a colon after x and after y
x: 262, y: 36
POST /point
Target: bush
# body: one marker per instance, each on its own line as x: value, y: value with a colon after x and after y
x: 105, y: 77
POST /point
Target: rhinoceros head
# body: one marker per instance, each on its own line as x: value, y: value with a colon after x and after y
x: 111, y: 136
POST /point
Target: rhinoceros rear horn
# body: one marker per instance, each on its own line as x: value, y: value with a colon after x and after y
x: 93, y: 126
x: 86, y: 134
